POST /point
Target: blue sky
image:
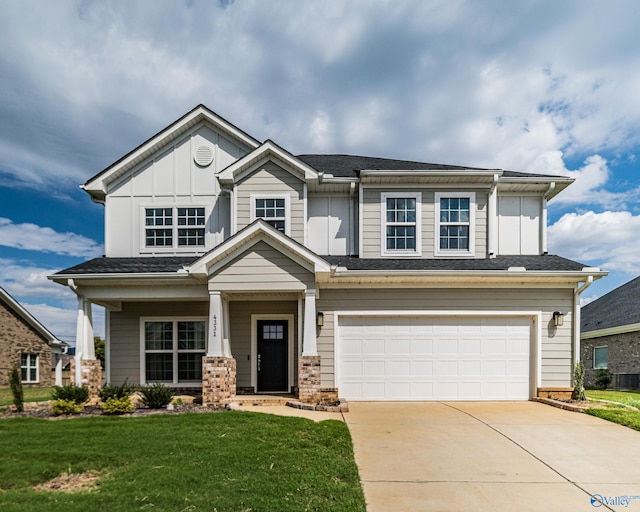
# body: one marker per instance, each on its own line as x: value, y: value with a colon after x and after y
x: 533, y: 86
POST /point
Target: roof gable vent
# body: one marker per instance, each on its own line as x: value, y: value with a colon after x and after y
x: 203, y: 156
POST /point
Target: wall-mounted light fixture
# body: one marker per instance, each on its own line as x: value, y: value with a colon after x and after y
x: 320, y: 319
x: 558, y: 319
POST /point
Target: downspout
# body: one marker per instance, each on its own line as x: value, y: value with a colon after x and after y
x: 493, y: 217
x: 78, y: 355
x: 543, y: 219
x: 576, y: 317
x: 352, y: 218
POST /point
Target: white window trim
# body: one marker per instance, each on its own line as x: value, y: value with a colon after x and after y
x: 198, y: 249
x: 287, y: 208
x: 143, y: 319
x: 448, y: 253
x: 37, y: 366
x: 383, y: 225
x: 594, y: 358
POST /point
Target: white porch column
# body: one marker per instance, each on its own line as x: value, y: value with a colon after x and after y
x: 58, y: 374
x: 309, y: 342
x: 85, y: 347
x: 215, y: 342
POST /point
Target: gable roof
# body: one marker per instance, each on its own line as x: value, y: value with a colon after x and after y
x: 96, y: 186
x: 29, y: 319
x: 616, y: 309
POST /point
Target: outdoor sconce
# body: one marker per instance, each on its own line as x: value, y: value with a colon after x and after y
x: 320, y: 319
x: 558, y: 319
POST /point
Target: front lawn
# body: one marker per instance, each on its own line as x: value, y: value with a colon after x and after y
x: 617, y: 413
x: 228, y: 461
x: 30, y: 395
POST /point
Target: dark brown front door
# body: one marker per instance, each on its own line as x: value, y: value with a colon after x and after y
x: 273, y: 348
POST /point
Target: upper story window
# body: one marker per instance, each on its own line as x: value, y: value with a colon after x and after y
x: 29, y: 367
x: 454, y: 230
x: 401, y: 223
x: 174, y: 227
x: 272, y: 209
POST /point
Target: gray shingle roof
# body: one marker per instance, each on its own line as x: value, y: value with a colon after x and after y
x: 616, y: 308
x: 162, y: 264
x: 349, y: 166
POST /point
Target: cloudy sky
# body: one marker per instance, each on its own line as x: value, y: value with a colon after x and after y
x: 535, y: 86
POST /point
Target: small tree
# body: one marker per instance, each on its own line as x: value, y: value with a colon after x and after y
x: 578, y: 381
x: 15, y: 382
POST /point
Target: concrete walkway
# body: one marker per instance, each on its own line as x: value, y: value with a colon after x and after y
x: 477, y: 456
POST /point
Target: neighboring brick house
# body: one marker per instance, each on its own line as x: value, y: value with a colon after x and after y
x: 27, y: 343
x: 610, y: 336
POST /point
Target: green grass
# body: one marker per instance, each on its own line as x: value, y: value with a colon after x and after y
x: 624, y: 417
x: 617, y: 413
x: 30, y: 395
x: 231, y: 461
x: 624, y: 397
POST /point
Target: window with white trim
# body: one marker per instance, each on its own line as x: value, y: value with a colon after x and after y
x: 401, y: 223
x: 455, y: 217
x: 273, y: 210
x: 29, y: 367
x: 174, y: 227
x: 601, y: 358
x: 173, y: 350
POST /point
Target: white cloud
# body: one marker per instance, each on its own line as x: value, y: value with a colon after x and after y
x: 31, y: 237
x: 62, y: 321
x: 608, y: 239
x: 25, y: 280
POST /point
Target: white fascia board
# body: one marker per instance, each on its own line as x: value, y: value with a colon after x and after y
x: 243, y: 239
x: 79, y: 278
x: 199, y: 115
x: 621, y: 329
x: 261, y: 155
x: 489, y: 173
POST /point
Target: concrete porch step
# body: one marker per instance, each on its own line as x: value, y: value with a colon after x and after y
x: 260, y: 400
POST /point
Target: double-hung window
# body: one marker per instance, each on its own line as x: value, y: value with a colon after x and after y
x: 173, y: 350
x: 401, y: 212
x: 454, y: 230
x: 273, y: 209
x: 29, y: 367
x: 601, y: 358
x: 174, y: 227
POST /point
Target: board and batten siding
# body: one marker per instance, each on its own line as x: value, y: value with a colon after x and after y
x: 519, y: 224
x: 329, y: 225
x: 556, y: 346
x: 240, y: 332
x: 272, y: 179
x: 262, y: 268
x: 372, y: 218
x: 124, y: 333
x: 171, y: 178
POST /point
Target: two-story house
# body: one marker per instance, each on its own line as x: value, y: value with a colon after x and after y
x: 233, y: 266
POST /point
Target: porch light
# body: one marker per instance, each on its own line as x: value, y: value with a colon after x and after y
x: 320, y: 319
x: 558, y: 319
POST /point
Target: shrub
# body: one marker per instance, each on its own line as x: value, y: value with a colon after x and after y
x: 71, y: 392
x: 117, y: 405
x: 156, y: 396
x: 63, y: 406
x: 15, y: 382
x: 108, y: 391
x: 578, y: 381
x: 603, y: 378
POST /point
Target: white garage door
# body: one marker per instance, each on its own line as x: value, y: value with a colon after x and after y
x: 433, y: 358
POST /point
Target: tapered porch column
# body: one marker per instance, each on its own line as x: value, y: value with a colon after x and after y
x: 218, y: 367
x: 309, y: 368
x: 88, y: 371
x: 309, y: 343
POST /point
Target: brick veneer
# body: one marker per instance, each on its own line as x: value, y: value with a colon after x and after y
x: 624, y: 354
x: 90, y: 375
x: 555, y: 393
x: 218, y: 379
x: 17, y: 338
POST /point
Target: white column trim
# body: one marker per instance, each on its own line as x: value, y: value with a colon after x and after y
x: 309, y: 341
x: 215, y: 342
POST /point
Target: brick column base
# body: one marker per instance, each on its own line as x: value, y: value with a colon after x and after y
x: 218, y: 379
x: 90, y: 375
x: 309, y: 379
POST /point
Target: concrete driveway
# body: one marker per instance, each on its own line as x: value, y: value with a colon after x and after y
x: 492, y: 456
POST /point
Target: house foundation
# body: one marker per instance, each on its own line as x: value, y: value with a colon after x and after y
x: 310, y: 390
x: 218, y: 379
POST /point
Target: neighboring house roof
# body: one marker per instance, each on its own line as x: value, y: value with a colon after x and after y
x: 164, y: 264
x: 29, y: 319
x: 613, y: 313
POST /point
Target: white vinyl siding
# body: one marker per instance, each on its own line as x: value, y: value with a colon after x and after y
x: 519, y: 224
x: 328, y: 225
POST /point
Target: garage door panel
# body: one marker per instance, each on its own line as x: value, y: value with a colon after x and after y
x: 434, y: 358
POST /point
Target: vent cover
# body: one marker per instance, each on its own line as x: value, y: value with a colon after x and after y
x: 203, y: 156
